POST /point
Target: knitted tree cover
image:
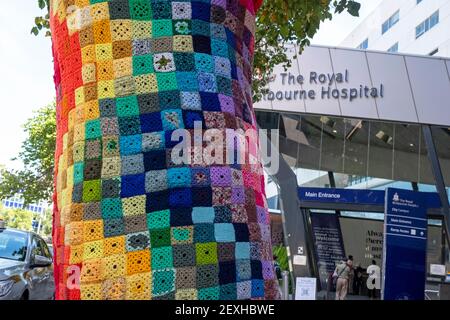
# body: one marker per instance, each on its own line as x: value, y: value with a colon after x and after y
x: 129, y: 221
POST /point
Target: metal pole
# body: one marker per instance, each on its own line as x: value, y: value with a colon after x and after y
x: 285, y: 285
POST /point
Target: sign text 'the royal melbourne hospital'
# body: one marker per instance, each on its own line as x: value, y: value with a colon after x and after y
x: 288, y: 86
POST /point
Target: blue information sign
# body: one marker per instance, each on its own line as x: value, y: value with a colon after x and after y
x: 405, y: 244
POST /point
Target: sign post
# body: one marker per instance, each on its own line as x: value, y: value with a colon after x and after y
x: 405, y: 244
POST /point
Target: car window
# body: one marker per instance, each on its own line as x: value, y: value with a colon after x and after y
x: 36, y: 247
x: 45, y: 249
x: 13, y: 245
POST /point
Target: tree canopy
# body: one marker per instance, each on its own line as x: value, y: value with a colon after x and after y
x: 278, y: 22
x: 35, y: 181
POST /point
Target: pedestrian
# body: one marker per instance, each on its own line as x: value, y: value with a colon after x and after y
x: 277, y: 267
x: 342, y: 276
x: 374, y: 279
x: 357, y: 281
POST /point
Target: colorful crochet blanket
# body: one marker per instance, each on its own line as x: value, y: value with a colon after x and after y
x: 130, y: 222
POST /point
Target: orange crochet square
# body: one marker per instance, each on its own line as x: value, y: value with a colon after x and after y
x: 101, y: 30
x: 115, y: 245
x: 93, y: 230
x: 105, y: 70
x: 138, y: 261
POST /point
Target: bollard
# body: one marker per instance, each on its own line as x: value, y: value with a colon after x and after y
x: 285, y: 285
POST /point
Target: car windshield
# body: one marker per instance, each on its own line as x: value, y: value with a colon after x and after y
x: 13, y: 245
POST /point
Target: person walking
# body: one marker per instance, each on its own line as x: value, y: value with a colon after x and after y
x: 358, y: 279
x: 342, y: 274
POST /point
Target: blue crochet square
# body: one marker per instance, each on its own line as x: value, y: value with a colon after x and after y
x: 219, y: 48
x: 201, y: 11
x: 162, y: 258
x: 129, y: 125
x: 202, y: 197
x: 212, y: 293
x: 202, y: 215
x: 218, y: 31
x: 222, y: 67
x: 191, y: 117
x: 224, y: 85
x: 93, y: 129
x: 190, y: 101
x: 184, y: 61
x: 170, y: 143
x: 187, y: 81
x: 155, y: 160
x: 130, y: 144
x: 227, y: 272
x: 133, y: 185
x: 257, y: 288
x: 200, y: 29
x: 180, y: 198
x: 180, y: 217
x: 111, y: 208
x: 107, y: 107
x: 242, y: 250
x: 228, y: 292
x: 161, y: 10
x: 163, y: 282
x: 172, y: 119
x: 224, y: 232
x: 151, y: 122
x: 203, y: 233
x: 223, y: 214
x: 202, y: 43
x: 241, y: 232
x: 153, y: 141
x: 158, y: 219
x: 210, y: 101
x: 169, y: 99
x: 204, y: 62
x: 78, y: 170
x: 200, y: 177
x: 243, y: 270
x: 157, y: 201
x: 256, y: 269
x: 113, y: 227
x: 179, y: 177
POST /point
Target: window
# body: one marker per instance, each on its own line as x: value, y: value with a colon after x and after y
x: 394, y: 48
x: 418, y: 1
x: 364, y: 45
x: 426, y: 25
x: 432, y: 53
x: 389, y: 23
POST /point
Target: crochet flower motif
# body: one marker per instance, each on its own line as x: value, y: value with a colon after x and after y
x: 182, y: 27
x: 163, y: 62
x: 138, y: 241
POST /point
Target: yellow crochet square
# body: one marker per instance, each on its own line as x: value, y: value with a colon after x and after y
x: 69, y: 176
x: 142, y: 29
x: 105, y: 70
x: 91, y: 291
x: 146, y: 83
x: 114, y: 245
x: 138, y: 262
x: 81, y: 3
x: 100, y: 11
x: 64, y: 216
x: 121, y: 30
x: 111, y: 167
x: 76, y: 211
x: 78, y: 132
x: 78, y: 116
x: 183, y: 44
x: 71, y: 118
x: 88, y: 73
x: 76, y: 254
x: 186, y: 294
x: 93, y: 230
x: 114, y: 289
x: 93, y: 250
x: 123, y: 67
x: 88, y: 54
x: 105, y: 89
x: 139, y: 286
x: 103, y: 52
x: 79, y: 96
x: 91, y: 271
x: 114, y: 266
x: 91, y: 110
x: 78, y: 151
x: 74, y: 233
x: 133, y: 206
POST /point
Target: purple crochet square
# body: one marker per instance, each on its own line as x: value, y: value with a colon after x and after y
x: 267, y: 269
x: 221, y: 176
x: 226, y: 104
x: 238, y: 195
x: 262, y: 215
x: 221, y: 3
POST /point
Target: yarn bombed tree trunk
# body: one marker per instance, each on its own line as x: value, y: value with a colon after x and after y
x: 130, y: 222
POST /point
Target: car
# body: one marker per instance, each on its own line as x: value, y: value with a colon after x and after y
x: 26, y: 266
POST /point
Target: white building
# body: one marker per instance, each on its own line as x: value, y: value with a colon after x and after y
x: 408, y: 26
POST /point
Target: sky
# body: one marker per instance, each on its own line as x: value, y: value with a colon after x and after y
x: 26, y: 67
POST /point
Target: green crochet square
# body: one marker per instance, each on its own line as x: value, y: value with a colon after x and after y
x: 166, y: 81
x: 140, y: 10
x: 158, y: 219
x: 78, y: 172
x: 93, y: 129
x: 112, y: 208
x: 209, y: 293
x: 182, y: 235
x: 162, y: 258
x: 127, y: 106
x: 143, y: 64
x: 206, y: 253
x: 162, y: 28
x: 163, y: 282
x: 92, y: 191
x: 160, y: 237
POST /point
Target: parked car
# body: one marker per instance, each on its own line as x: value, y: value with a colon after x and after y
x: 26, y: 266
